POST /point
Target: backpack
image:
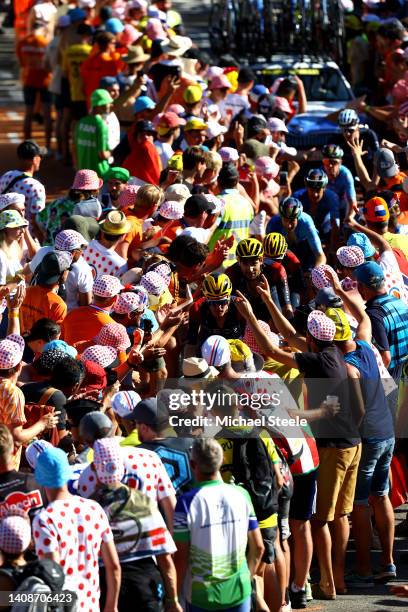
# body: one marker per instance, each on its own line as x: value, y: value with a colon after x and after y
x: 33, y: 412
x: 253, y: 469
x: 125, y: 508
x: 39, y: 577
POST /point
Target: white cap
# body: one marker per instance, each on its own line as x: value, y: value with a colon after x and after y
x: 86, y: 3
x: 215, y: 129
x: 124, y: 402
x: 277, y: 125
x: 228, y: 154
x: 216, y: 351
x: 34, y: 450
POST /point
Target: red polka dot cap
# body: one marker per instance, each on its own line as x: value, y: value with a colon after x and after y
x: 102, y: 355
x: 69, y: 240
x: 350, y: 256
x: 8, y: 199
x: 87, y: 179
x: 15, y: 534
x: 321, y: 327
x: 11, y: 351
x: 163, y: 270
x: 128, y: 302
x: 153, y: 283
x: 127, y: 196
x: 108, y: 461
x: 107, y: 286
x: 113, y: 334
x: 250, y: 341
x: 172, y: 210
x: 319, y: 278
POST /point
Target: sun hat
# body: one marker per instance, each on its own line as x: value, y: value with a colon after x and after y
x: 35, y: 449
x: 350, y: 256
x: 321, y: 327
x: 171, y: 210
x: 216, y: 351
x: 178, y: 109
x: 143, y: 103
x: 129, y: 35
x: 155, y: 30
x: 376, y: 210
x: 361, y: 240
x: 197, y: 367
x: 277, y: 125
x: 69, y: 240
x: 95, y: 377
x: 87, y: 180
x: 167, y: 121
x: 86, y: 3
x: 124, y: 402
x: 195, y: 124
x: 52, y: 266
x: 176, y: 162
x: 135, y: 55
x: 128, y: 302
x: 52, y: 469
x: 108, y: 460
x: 192, y: 94
x: 102, y: 355
x: 15, y: 534
x: 8, y: 199
x: 343, y: 330
x: 10, y: 219
x: 319, y: 278
x: 100, y: 97
x: 215, y: 129
x: 114, y: 25
x: 127, y: 196
x: 370, y: 274
x: 153, y: 283
x: 106, y: 286
x: 162, y: 269
x: 283, y: 104
x: 266, y: 165
x: 115, y: 222
x: 177, y: 193
x: 11, y: 351
x: 228, y: 154
x: 118, y: 173
x: 176, y: 46
x: 62, y: 346
x: 219, y: 81
x: 249, y: 337
x: 113, y: 334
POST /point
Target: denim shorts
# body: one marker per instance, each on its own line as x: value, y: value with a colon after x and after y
x: 373, y: 470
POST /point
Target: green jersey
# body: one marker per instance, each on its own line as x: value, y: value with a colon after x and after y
x: 91, y: 137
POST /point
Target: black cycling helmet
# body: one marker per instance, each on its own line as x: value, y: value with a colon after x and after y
x: 290, y: 208
x: 332, y: 151
x: 316, y: 178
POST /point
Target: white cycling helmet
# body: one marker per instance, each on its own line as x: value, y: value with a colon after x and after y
x: 348, y: 118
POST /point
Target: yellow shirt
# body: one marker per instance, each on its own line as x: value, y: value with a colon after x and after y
x: 397, y: 241
x: 72, y: 60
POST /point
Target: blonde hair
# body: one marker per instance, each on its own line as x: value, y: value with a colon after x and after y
x: 148, y: 196
x: 213, y: 161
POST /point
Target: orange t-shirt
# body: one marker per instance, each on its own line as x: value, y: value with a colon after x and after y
x: 83, y: 324
x: 31, y: 55
x: 136, y: 231
x: 40, y: 302
x: 398, y: 179
x: 97, y: 66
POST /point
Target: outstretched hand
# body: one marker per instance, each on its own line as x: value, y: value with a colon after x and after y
x: 263, y: 288
x: 243, y: 305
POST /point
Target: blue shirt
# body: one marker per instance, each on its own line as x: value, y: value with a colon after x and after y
x: 389, y: 320
x: 328, y: 209
x: 305, y: 230
x: 343, y: 185
x: 377, y: 422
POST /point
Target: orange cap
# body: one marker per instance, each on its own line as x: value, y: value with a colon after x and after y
x: 376, y: 210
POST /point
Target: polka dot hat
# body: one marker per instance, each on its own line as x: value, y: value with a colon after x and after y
x: 319, y: 278
x: 350, y: 256
x: 113, y: 334
x: 108, y: 460
x: 8, y: 199
x: 127, y: 196
x: 321, y: 327
x: 250, y: 341
x: 128, y: 302
x: 171, y: 210
x: 107, y: 286
x: 163, y: 270
x: 153, y: 283
x: 102, y: 355
x: 69, y: 240
x: 11, y: 351
x: 15, y: 534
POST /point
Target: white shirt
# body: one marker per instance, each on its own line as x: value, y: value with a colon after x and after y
x: 165, y: 150
x: 394, y: 283
x: 32, y: 189
x: 113, y: 124
x: 103, y: 260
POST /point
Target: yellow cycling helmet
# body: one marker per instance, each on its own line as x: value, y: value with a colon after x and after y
x: 217, y: 286
x: 249, y: 247
x: 275, y: 245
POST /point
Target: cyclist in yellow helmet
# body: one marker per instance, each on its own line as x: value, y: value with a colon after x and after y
x: 280, y: 261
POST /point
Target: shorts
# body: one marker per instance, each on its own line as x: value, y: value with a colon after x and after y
x: 142, y: 583
x: 153, y: 365
x: 30, y: 94
x: 373, y: 476
x: 78, y: 110
x: 269, y: 535
x: 336, y: 482
x: 303, y: 502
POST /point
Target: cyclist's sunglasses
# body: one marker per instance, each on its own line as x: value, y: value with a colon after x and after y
x: 349, y: 130
x: 221, y: 302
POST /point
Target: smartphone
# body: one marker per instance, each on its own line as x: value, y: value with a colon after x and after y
x: 283, y: 179
x: 139, y: 73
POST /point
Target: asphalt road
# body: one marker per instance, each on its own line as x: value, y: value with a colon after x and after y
x: 57, y: 179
